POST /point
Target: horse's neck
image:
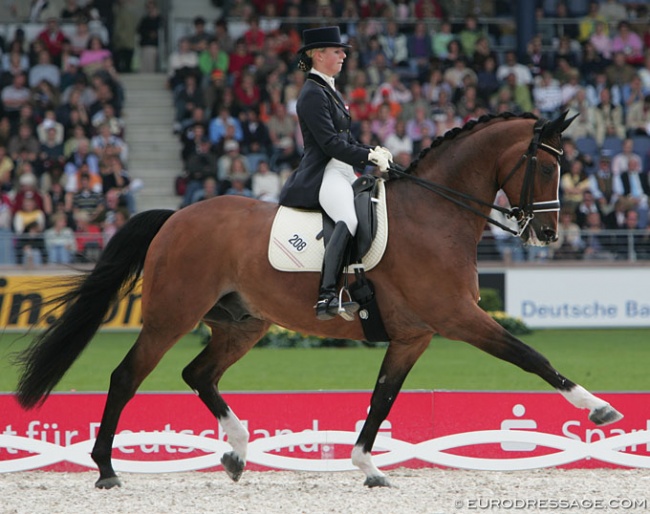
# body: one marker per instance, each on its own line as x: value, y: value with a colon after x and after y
x: 464, y: 177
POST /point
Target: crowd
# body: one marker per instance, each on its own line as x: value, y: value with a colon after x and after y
x: 64, y: 184
x: 415, y: 70
x: 411, y: 75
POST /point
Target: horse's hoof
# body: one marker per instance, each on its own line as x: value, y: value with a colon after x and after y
x: 605, y: 415
x: 108, y: 483
x: 377, y: 481
x: 233, y: 465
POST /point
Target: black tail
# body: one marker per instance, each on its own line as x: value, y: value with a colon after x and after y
x: 87, y: 302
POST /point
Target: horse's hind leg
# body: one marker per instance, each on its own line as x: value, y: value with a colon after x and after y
x: 125, y: 380
x: 398, y: 361
x: 229, y: 342
x: 480, y: 330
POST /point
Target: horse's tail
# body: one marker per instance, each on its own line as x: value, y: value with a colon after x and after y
x: 87, y: 301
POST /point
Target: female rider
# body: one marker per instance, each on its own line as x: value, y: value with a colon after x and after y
x: 324, y: 177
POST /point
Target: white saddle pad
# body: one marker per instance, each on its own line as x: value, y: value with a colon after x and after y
x: 293, y: 245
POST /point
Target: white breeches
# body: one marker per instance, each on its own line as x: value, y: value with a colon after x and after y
x: 336, y: 196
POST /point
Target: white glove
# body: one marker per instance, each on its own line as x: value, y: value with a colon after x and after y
x: 379, y: 158
x: 385, y: 151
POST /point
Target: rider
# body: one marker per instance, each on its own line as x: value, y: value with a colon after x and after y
x: 325, y: 174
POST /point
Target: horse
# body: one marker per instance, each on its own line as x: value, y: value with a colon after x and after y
x: 209, y: 262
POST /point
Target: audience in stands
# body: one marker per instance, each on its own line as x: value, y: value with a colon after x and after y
x: 431, y: 67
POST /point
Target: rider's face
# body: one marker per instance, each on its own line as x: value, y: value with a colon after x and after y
x: 330, y: 60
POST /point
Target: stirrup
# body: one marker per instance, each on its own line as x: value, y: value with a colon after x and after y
x: 348, y: 309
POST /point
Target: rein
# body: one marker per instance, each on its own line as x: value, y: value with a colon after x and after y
x: 524, y: 213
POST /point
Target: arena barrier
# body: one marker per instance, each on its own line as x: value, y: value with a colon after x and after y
x: 314, y: 431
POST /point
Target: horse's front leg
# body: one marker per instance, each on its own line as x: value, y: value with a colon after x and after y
x: 398, y: 361
x: 480, y: 330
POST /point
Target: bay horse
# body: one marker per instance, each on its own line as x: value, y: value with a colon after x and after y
x: 209, y: 262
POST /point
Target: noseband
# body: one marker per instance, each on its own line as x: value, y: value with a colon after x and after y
x: 522, y: 213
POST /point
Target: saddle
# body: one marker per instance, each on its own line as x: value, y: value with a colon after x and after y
x: 298, y: 238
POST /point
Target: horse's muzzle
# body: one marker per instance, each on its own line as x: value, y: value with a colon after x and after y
x: 549, y: 235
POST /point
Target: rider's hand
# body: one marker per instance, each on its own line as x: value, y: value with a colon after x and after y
x: 385, y: 151
x: 379, y: 158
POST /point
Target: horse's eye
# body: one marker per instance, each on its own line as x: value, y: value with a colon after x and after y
x: 548, y: 169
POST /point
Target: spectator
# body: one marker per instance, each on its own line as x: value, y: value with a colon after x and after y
x: 212, y: 59
x: 602, y: 182
x: 88, y: 237
x: 92, y: 57
x: 30, y: 245
x: 265, y: 184
x: 51, y: 149
x: 218, y: 126
x: 80, y: 37
x: 200, y: 38
x: 629, y: 43
x: 584, y: 125
x: 601, y: 41
x: 596, y: 244
x: 105, y: 142
x: 82, y: 158
x: 420, y: 49
x: 619, y: 72
x: 633, y: 185
x: 201, y: 163
x: 241, y: 59
x: 394, y: 45
x: 85, y: 197
x: 547, y: 95
x: 281, y: 124
x: 7, y: 254
x: 24, y: 145
x: 15, y: 96
x: 399, y: 141
x: 52, y: 37
x: 116, y: 178
x: 608, y: 118
x: 184, y: 61
x: 44, y: 70
x: 208, y: 190
x: 569, y: 244
x: 254, y: 36
x: 29, y: 212
x: 586, y: 207
x: 238, y: 187
x: 469, y: 34
x: 148, y: 29
x: 186, y: 98
x: 590, y: 20
x: 50, y: 122
x: 442, y: 38
x: 60, y: 242
x: 256, y: 140
x: 6, y: 171
x: 573, y: 185
x: 72, y: 11
x: 123, y: 37
x: 638, y: 118
x: 522, y: 73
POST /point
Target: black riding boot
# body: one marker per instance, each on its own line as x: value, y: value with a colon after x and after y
x: 328, y: 302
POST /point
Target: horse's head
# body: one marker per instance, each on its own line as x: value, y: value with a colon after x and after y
x: 532, y: 185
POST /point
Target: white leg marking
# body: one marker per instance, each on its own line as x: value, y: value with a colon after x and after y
x: 237, y: 434
x: 363, y: 461
x: 583, y: 399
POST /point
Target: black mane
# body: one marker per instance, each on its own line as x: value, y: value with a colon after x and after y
x: 452, y: 133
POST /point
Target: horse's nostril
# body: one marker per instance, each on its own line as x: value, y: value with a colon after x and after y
x: 550, y: 234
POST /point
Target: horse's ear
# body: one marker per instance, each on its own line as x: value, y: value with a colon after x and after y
x: 559, y: 124
x: 569, y: 121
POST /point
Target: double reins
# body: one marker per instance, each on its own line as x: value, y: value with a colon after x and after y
x: 523, y: 213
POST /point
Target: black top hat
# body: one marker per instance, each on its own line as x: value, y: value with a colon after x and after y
x: 321, y: 37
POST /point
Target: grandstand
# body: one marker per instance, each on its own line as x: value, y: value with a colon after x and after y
x: 199, y: 119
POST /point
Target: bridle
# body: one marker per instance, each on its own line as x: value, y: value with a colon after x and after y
x: 522, y: 213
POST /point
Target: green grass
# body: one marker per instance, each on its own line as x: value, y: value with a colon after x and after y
x: 600, y: 360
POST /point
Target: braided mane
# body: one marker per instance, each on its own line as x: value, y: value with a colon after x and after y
x: 452, y: 133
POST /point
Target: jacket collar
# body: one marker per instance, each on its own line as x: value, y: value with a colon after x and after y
x: 335, y: 94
